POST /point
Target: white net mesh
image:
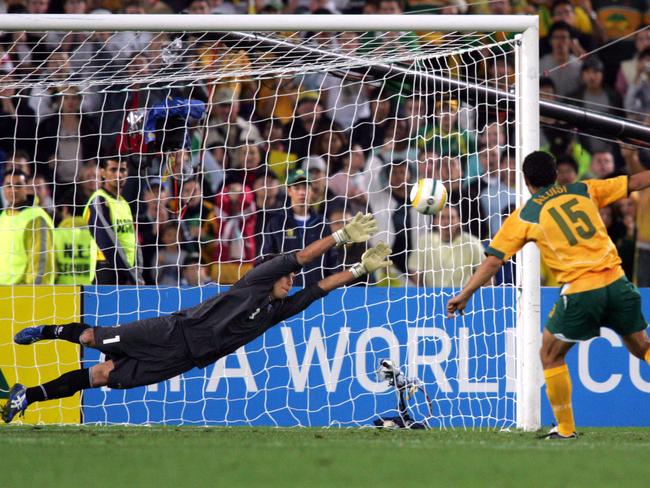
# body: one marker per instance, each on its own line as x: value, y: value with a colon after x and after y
x: 211, y: 129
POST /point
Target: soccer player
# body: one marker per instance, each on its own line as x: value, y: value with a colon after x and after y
x: 153, y: 350
x: 564, y: 222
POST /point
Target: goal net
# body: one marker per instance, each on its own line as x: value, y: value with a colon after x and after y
x: 241, y: 145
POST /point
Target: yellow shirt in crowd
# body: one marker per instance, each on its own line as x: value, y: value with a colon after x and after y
x: 446, y: 264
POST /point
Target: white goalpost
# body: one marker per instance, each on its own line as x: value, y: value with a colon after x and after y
x: 214, y: 115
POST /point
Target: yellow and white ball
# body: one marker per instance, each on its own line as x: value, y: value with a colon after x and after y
x: 428, y: 196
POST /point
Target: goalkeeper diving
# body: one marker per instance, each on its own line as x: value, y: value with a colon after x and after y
x: 149, y: 351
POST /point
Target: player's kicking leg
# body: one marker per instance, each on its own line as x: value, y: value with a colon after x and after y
x: 72, y: 332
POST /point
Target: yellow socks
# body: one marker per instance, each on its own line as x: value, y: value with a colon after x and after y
x: 558, y: 390
x: 647, y: 356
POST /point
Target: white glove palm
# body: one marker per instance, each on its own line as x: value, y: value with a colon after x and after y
x: 358, y: 230
x: 373, y: 259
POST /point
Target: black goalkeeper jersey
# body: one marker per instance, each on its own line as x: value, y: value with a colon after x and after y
x: 224, y: 323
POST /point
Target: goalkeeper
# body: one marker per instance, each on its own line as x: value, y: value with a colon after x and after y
x: 153, y: 350
x: 564, y: 222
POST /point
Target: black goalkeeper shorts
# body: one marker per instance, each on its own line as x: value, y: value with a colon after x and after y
x: 144, y: 352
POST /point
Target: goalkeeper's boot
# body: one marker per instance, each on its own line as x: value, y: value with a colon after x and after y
x: 554, y: 433
x: 16, y: 403
x: 29, y: 335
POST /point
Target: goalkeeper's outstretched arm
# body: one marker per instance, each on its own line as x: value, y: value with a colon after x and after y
x: 358, y: 230
x: 489, y: 267
x: 373, y: 259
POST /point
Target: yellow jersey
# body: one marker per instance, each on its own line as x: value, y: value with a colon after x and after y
x: 565, y: 224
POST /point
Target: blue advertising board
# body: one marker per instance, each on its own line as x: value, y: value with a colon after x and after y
x: 318, y: 368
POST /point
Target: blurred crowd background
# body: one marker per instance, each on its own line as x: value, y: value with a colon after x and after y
x: 265, y: 165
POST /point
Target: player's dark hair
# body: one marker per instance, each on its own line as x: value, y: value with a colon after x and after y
x: 540, y: 169
x: 569, y: 161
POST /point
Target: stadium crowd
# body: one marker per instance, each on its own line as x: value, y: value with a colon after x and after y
x: 287, y: 160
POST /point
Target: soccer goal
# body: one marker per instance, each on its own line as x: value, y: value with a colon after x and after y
x: 215, y: 117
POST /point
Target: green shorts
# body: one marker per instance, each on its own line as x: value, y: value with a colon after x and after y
x: 579, y: 316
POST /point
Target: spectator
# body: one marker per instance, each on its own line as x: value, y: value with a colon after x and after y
x: 499, y: 191
x: 627, y: 74
x: 194, y: 273
x: 392, y: 42
x: 276, y: 97
x: 124, y: 102
x: 66, y: 139
x: 561, y: 64
x: 278, y: 159
x: 331, y: 146
x: 27, y: 243
x: 602, y: 166
x: 399, y: 223
x: 563, y: 142
x: 567, y: 170
x: 169, y: 257
x: 588, y: 32
x: 42, y: 97
x: 400, y: 143
x: 296, y: 227
x: 111, y: 224
x: 447, y: 139
x: 371, y: 131
x: 233, y: 252
x: 37, y: 6
x: 425, y: 165
x: 621, y: 231
x: 593, y: 95
x: 465, y: 197
x: 266, y: 189
x: 246, y: 161
x: 347, y: 97
x: 637, y: 99
x: 150, y: 220
x: 636, y: 162
x: 17, y: 127
x: 446, y: 257
x: 72, y: 245
x: 309, y: 121
x: 42, y: 191
x: 352, y: 181
x: 226, y: 127
x: 198, y: 218
x: 322, y: 199
x: 199, y: 7
x: 157, y: 7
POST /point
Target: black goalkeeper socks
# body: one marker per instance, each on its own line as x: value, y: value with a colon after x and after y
x: 64, y: 386
x: 70, y: 332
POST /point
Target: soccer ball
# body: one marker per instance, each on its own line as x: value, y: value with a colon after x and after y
x: 428, y: 196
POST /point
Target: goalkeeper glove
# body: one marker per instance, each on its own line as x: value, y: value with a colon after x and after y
x: 358, y: 230
x: 373, y: 259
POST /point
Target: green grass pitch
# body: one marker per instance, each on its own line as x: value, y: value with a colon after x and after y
x: 120, y: 457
